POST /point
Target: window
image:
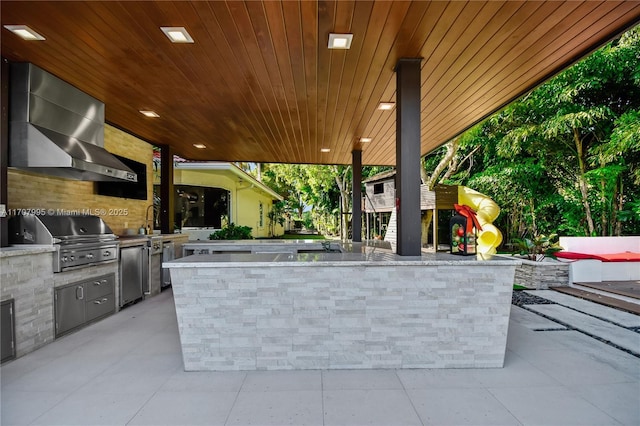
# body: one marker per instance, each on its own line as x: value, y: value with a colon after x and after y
x: 198, y: 206
x: 261, y: 215
x: 378, y: 188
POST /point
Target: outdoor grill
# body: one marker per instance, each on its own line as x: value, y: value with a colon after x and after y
x: 79, y: 240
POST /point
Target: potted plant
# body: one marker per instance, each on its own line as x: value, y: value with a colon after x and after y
x: 232, y: 232
x: 538, y: 247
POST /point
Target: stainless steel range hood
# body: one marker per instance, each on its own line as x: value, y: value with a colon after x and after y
x: 57, y: 129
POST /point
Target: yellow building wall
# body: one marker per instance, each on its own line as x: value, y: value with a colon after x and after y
x: 245, y: 199
x: 33, y: 191
x: 248, y: 211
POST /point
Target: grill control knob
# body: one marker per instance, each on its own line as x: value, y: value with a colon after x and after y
x: 64, y: 258
x: 71, y: 258
x: 90, y: 256
x: 107, y: 253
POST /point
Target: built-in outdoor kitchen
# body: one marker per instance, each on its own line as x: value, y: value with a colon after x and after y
x: 64, y: 281
x: 82, y: 244
x: 84, y: 247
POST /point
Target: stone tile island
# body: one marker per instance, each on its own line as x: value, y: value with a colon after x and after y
x: 363, y: 308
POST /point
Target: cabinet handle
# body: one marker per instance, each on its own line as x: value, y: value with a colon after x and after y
x: 98, y: 283
x: 79, y: 292
x: 100, y: 302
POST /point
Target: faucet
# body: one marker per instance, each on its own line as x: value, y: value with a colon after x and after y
x: 146, y: 220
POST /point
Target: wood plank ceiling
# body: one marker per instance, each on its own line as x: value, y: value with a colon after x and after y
x: 259, y: 83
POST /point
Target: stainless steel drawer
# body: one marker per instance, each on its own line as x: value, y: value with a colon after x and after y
x: 100, y: 306
x: 99, y: 287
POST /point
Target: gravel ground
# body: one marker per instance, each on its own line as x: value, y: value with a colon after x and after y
x: 520, y: 298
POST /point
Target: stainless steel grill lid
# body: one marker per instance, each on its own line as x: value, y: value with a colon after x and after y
x: 54, y: 229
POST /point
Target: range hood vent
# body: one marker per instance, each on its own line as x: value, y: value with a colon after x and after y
x: 58, y: 130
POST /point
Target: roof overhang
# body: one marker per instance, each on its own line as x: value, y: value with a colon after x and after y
x: 260, y: 84
x: 231, y: 169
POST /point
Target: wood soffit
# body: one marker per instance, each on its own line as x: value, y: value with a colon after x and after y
x: 259, y: 83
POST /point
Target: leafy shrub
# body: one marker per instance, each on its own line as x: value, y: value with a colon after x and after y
x: 232, y: 232
x: 539, y: 246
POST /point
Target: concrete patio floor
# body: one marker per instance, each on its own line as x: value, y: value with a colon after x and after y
x: 127, y: 370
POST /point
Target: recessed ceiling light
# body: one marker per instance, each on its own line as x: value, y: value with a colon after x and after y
x: 386, y: 106
x: 177, y: 34
x: 150, y: 114
x: 340, y: 41
x: 24, y: 32
x: 324, y: 150
x: 365, y: 140
x: 199, y: 145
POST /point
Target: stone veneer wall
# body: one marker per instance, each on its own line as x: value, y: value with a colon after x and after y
x: 29, y: 280
x: 341, y: 317
x: 542, y: 275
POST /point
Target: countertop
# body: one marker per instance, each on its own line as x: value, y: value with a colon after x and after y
x: 25, y: 249
x: 371, y: 258
x: 262, y: 242
x: 132, y: 240
x: 172, y: 236
x: 141, y: 239
x: 262, y: 246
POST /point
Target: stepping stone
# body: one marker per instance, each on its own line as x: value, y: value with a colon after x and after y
x: 533, y: 321
x: 613, y: 302
x: 616, y: 316
x: 617, y: 335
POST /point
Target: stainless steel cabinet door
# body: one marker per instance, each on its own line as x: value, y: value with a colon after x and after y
x: 7, y: 330
x: 69, y: 308
x: 131, y: 274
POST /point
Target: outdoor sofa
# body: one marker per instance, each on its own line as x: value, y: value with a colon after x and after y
x: 598, y: 259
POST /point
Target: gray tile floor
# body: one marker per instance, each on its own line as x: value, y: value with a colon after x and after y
x: 127, y: 370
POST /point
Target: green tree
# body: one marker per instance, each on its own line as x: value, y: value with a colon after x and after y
x: 276, y: 216
x: 565, y: 157
x: 308, y: 186
x: 581, y: 126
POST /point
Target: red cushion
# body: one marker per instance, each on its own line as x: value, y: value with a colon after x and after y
x: 621, y: 257
x: 608, y: 257
x: 574, y: 256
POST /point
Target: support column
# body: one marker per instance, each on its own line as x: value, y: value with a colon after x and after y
x: 4, y: 154
x: 356, y: 202
x: 408, y: 156
x: 167, y: 193
x: 435, y: 230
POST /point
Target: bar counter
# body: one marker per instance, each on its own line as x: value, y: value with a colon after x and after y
x: 365, y: 308
x: 258, y: 246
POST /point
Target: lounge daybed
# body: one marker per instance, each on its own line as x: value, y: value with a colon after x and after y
x: 597, y: 259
